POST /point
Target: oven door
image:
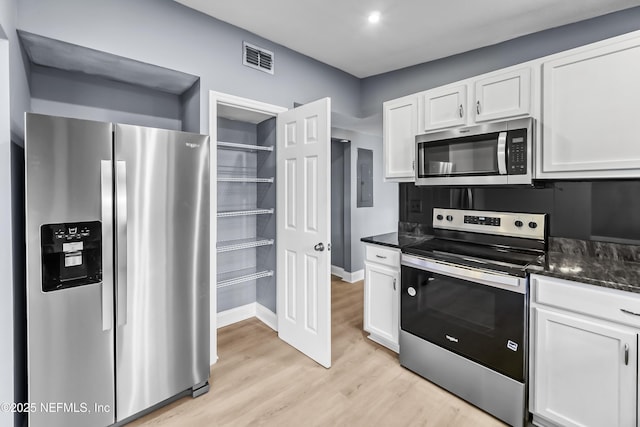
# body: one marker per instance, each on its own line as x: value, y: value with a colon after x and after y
x: 467, y: 312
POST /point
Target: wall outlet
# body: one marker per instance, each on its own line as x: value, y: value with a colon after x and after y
x: 415, y: 206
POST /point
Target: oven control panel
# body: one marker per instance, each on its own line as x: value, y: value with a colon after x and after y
x: 482, y: 220
x: 526, y: 225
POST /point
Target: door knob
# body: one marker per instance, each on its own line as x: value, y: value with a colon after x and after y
x: 319, y: 247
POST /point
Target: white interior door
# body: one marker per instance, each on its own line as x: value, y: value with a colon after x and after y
x: 303, y: 229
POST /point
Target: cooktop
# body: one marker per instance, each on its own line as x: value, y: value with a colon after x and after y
x: 498, y: 241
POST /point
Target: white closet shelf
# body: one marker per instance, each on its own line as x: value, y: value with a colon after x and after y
x: 241, y: 276
x: 245, y: 213
x: 247, y: 147
x: 239, y: 244
x: 244, y: 179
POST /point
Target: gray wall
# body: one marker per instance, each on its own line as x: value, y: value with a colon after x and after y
x: 266, y: 224
x: 383, y: 216
x: 6, y: 267
x: 338, y: 203
x: 377, y: 89
x: 18, y: 67
x: 63, y: 93
x: 190, y: 103
x: 14, y: 100
x: 165, y: 33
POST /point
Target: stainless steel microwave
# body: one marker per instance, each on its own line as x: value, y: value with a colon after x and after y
x: 498, y: 153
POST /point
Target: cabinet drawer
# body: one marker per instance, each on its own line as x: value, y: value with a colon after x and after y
x: 382, y: 255
x: 609, y: 304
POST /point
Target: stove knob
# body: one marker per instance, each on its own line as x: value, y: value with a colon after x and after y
x: 533, y: 224
x: 449, y: 218
x: 440, y: 217
x: 518, y: 223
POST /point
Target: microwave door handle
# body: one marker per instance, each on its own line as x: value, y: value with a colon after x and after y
x: 502, y: 153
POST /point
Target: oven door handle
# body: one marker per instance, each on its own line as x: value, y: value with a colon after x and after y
x: 502, y: 153
x: 494, y: 279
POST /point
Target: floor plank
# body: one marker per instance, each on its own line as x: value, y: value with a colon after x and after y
x: 260, y: 380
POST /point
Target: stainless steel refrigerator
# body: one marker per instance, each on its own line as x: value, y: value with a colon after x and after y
x: 117, y: 224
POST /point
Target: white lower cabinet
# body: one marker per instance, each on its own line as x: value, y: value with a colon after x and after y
x: 583, y: 367
x: 381, y: 292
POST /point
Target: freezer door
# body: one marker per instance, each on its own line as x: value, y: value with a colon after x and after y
x: 70, y: 338
x: 162, y: 252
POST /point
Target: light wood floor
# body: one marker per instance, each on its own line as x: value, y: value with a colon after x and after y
x: 260, y: 380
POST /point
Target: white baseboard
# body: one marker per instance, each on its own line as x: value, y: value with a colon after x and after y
x: 267, y: 316
x: 356, y: 276
x: 244, y: 312
x: 346, y: 276
x: 393, y: 346
x: 238, y: 314
x: 337, y: 271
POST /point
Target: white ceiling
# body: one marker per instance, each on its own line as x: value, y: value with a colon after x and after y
x: 410, y: 32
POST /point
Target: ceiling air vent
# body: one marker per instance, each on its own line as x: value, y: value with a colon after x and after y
x: 257, y: 57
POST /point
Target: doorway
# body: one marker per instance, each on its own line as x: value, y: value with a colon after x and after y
x: 340, y: 206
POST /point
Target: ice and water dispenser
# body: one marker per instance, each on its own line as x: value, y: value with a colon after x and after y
x: 71, y: 254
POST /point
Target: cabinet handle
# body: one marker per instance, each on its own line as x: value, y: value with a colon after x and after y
x: 413, y: 165
x: 461, y: 111
x: 478, y: 106
x: 626, y: 352
x: 629, y: 312
x: 394, y: 288
x: 380, y: 256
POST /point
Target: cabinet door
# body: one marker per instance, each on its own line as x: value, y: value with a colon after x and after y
x: 445, y: 107
x: 381, y: 304
x: 400, y: 122
x: 504, y: 95
x: 590, y: 113
x: 584, y: 370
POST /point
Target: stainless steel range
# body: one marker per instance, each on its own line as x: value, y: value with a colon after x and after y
x: 464, y: 306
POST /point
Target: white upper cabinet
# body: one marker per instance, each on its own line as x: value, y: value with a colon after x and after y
x: 494, y: 96
x: 502, y: 95
x: 498, y: 95
x: 445, y: 107
x: 400, y: 123
x: 590, y: 112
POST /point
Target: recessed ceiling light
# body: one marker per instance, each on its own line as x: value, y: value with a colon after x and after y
x: 374, y: 17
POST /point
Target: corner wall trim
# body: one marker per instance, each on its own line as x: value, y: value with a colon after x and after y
x: 267, y: 316
x: 347, y: 276
x: 244, y: 312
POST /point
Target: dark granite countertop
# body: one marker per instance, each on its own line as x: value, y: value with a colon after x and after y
x: 622, y: 275
x: 597, y: 263
x: 602, y: 264
x: 395, y: 239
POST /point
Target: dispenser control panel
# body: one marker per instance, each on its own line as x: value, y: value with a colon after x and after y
x: 71, y: 254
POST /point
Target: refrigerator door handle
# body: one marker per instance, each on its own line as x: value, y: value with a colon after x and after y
x: 121, y: 240
x: 106, y: 208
